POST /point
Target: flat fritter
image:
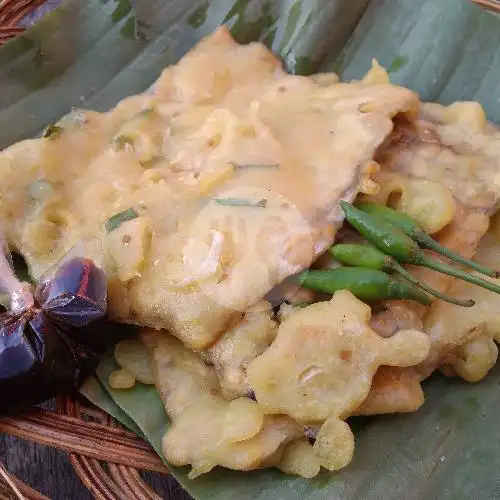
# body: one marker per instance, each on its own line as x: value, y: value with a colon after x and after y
x: 235, y: 349
x: 224, y: 179
x: 443, y: 169
x: 320, y: 368
x: 464, y: 338
x: 206, y: 429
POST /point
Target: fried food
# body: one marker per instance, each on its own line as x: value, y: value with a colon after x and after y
x: 207, y: 430
x: 393, y: 390
x: 320, y: 368
x: 233, y: 352
x: 465, y: 340
x: 299, y: 458
x: 234, y: 179
x: 211, y: 192
x: 133, y: 357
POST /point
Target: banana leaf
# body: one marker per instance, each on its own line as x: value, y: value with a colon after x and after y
x: 446, y: 450
x: 93, y: 53
x: 141, y: 403
x: 97, y: 394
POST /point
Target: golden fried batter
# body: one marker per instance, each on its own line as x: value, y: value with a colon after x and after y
x: 321, y: 365
x: 234, y: 178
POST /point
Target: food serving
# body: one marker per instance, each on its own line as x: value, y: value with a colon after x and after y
x: 296, y: 250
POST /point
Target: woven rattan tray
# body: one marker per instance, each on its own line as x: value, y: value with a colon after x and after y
x: 106, y: 457
x: 92, y: 439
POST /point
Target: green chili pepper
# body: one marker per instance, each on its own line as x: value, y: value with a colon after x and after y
x: 415, y: 232
x: 393, y: 241
x: 386, y: 237
x: 366, y: 284
x: 363, y: 256
x: 370, y: 257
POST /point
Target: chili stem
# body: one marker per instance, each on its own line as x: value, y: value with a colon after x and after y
x: 424, y: 240
x: 457, y: 273
x: 405, y: 274
x: 413, y: 230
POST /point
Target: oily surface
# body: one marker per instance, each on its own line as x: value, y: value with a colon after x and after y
x: 234, y: 177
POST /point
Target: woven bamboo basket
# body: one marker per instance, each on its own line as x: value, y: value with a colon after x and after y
x: 106, y: 457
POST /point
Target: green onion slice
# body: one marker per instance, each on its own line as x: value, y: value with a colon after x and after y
x: 118, y: 219
x: 241, y: 202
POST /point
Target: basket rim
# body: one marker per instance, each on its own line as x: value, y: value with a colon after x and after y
x: 11, y: 13
x: 491, y: 5
x: 105, y: 456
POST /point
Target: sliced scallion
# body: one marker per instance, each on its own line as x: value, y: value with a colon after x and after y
x: 121, y: 141
x: 151, y: 162
x: 147, y: 112
x: 51, y: 131
x: 241, y: 202
x: 244, y: 166
x: 118, y: 219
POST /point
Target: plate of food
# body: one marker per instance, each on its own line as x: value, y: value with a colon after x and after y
x: 291, y: 209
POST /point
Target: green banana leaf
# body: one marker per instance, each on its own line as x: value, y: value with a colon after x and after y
x: 141, y: 403
x: 93, y: 53
x: 97, y: 394
x: 446, y: 450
